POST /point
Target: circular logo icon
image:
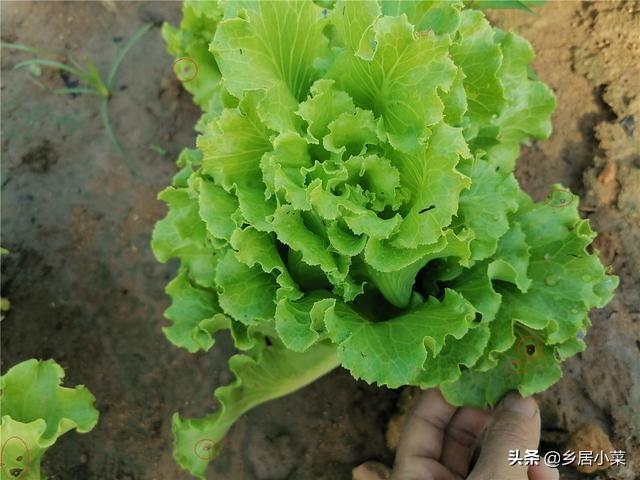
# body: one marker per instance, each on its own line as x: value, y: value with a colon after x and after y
x: 185, y: 69
x: 14, y: 457
x: 205, y: 449
x: 559, y: 197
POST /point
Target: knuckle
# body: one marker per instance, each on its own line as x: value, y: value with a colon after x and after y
x: 464, y: 437
x: 435, y: 422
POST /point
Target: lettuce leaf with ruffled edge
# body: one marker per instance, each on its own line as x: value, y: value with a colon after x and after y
x: 263, y: 373
x: 36, y: 411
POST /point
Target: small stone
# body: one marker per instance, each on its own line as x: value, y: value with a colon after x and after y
x: 394, y: 427
x: 270, y: 459
x: 590, y: 438
x: 608, y: 173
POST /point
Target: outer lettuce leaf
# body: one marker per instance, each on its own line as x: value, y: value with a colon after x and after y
x: 183, y: 234
x: 530, y: 102
x: 487, y: 205
x: 527, y: 113
x: 515, y: 370
x: 456, y: 353
x: 261, y: 46
x: 247, y: 294
x: 218, y: 208
x: 480, y: 58
x: 515, y: 4
x: 542, y: 312
x: 365, y: 350
x: 264, y: 373
x: 441, y: 17
x: 195, y: 314
x: 36, y: 411
x: 566, y: 281
x: 191, y: 41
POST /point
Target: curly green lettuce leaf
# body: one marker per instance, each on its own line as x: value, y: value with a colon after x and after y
x: 394, y: 270
x: 232, y: 148
x: 542, y: 319
x: 487, y: 205
x: 528, y: 106
x: 435, y: 185
x: 566, y: 281
x: 272, y: 47
x: 441, y: 17
x: 264, y: 373
x: 400, y: 81
x: 182, y: 234
x: 195, y: 314
x: 507, y: 4
x: 365, y: 350
x: 479, y: 57
x: 190, y: 44
x: 300, y: 323
x: 36, y: 411
x: 457, y: 353
x: 516, y: 370
x: 529, y: 101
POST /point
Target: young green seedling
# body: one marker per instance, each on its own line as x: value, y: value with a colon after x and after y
x: 92, y: 80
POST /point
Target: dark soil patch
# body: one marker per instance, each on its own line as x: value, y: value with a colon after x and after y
x: 41, y: 158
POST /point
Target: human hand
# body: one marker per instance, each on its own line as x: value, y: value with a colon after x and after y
x: 437, y: 441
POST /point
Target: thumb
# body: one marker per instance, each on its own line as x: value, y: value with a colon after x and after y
x: 371, y: 471
x: 516, y: 425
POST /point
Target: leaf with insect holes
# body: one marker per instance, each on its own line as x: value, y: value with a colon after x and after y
x: 36, y: 411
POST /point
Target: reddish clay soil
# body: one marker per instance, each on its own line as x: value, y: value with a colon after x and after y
x: 86, y: 291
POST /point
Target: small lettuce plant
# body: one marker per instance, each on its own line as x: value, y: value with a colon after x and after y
x: 36, y: 410
x: 351, y: 202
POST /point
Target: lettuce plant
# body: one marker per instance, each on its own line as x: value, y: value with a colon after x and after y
x: 352, y: 202
x: 36, y: 411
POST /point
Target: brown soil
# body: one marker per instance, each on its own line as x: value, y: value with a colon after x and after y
x: 86, y: 290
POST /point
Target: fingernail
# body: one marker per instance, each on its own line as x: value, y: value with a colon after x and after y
x: 522, y: 407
